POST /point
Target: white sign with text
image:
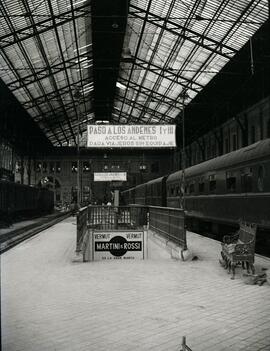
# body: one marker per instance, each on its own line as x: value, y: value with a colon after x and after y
x: 131, y: 136
x: 118, y: 245
x: 110, y: 176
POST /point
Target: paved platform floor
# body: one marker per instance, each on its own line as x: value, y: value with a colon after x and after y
x: 50, y: 302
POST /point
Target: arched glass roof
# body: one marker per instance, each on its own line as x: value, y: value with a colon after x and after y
x: 171, y: 50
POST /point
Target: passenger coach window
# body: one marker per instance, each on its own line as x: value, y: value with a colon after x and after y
x: 212, y: 182
x: 260, y: 178
x: 201, y: 187
x: 230, y: 181
x: 191, y: 188
x: 246, y: 180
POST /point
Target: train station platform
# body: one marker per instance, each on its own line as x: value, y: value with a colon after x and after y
x: 51, y: 301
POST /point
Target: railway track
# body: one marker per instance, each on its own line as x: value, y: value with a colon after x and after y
x: 13, y: 238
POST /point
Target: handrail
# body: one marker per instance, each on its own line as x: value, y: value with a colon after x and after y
x: 170, y: 223
x: 168, y: 208
x: 117, y: 217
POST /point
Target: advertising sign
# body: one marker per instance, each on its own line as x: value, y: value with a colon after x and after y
x: 118, y: 245
x: 110, y: 176
x: 131, y: 136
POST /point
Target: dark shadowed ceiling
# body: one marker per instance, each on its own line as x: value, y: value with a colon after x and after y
x: 73, y: 62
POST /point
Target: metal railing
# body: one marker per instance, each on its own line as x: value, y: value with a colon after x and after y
x: 122, y: 217
x: 170, y: 223
x: 108, y: 217
x: 82, y: 215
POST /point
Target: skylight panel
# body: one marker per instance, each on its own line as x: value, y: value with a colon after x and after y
x: 193, y: 60
x: 161, y: 7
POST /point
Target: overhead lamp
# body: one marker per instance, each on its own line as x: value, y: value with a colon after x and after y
x: 115, y: 25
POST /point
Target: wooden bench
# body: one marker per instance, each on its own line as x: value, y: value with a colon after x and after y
x: 239, y: 248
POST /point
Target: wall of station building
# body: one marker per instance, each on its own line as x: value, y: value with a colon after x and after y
x: 60, y: 174
x: 247, y: 127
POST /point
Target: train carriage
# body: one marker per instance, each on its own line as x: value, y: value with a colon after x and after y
x: 128, y: 196
x: 231, y: 187
x: 221, y: 190
x: 23, y: 201
x: 140, y: 194
x: 156, y: 192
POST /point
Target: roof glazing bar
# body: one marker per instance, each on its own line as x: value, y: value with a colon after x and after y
x: 186, y: 33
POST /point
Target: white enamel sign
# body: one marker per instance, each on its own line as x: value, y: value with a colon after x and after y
x: 131, y: 136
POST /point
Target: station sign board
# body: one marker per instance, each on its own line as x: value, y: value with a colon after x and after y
x: 118, y: 245
x: 110, y: 176
x: 131, y: 136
